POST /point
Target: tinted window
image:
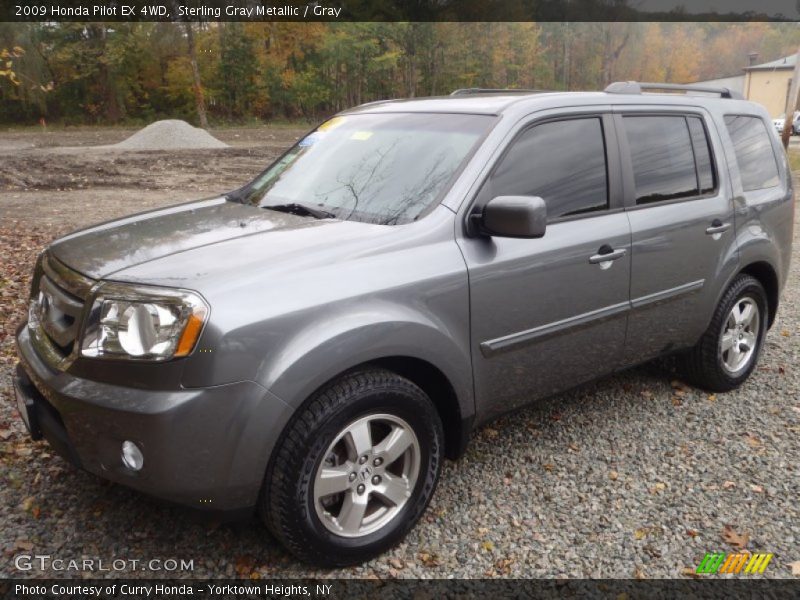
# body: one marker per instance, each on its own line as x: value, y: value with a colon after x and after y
x: 379, y: 168
x: 754, y: 153
x: 702, y: 155
x: 662, y: 157
x: 564, y: 162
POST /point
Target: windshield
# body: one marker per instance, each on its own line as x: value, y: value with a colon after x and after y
x: 376, y: 168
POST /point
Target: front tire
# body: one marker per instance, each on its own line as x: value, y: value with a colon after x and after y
x: 355, y: 470
x: 728, y: 351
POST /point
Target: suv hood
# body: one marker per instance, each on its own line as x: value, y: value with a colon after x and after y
x: 105, y: 249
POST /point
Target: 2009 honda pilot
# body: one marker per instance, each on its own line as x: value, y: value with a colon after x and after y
x: 314, y: 344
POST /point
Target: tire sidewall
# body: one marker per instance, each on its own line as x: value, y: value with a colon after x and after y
x: 754, y: 290
x: 416, y: 410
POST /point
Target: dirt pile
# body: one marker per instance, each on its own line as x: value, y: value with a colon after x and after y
x: 171, y: 134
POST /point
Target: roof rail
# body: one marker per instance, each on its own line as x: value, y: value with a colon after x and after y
x: 467, y: 91
x: 635, y: 87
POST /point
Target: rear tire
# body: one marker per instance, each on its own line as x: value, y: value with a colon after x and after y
x: 355, y: 470
x: 728, y: 351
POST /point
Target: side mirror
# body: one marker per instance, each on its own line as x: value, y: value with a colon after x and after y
x: 513, y: 216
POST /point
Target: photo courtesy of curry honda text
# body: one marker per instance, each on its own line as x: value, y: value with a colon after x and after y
x: 312, y: 346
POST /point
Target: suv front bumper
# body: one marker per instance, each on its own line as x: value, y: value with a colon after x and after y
x: 206, y: 447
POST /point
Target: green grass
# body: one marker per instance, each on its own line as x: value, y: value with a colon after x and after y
x: 794, y: 161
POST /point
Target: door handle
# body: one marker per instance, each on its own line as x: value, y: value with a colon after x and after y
x: 606, y: 254
x: 717, y: 226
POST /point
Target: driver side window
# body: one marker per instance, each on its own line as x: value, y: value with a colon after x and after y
x: 564, y: 162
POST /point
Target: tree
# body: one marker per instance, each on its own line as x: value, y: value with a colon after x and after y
x: 197, y: 84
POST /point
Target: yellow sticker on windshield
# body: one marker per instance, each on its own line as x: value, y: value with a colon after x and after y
x: 331, y: 124
x: 361, y: 135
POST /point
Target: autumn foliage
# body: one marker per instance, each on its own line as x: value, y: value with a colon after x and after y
x: 109, y: 73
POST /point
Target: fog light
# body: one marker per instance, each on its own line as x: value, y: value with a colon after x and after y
x: 131, y: 455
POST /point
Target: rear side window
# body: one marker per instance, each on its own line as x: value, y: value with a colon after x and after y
x: 671, y: 157
x: 754, y: 154
x: 564, y: 162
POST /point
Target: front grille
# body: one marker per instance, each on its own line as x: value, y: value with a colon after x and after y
x: 57, y: 303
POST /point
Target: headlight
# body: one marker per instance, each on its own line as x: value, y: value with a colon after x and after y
x: 143, y: 322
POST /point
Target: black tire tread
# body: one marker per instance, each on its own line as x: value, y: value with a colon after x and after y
x: 700, y: 365
x: 276, y: 501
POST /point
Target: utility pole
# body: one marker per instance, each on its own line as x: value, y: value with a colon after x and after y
x: 791, y: 103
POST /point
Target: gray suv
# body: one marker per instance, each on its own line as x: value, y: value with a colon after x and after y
x: 314, y: 344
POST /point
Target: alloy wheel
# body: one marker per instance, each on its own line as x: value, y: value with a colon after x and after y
x: 367, y: 475
x: 739, y: 339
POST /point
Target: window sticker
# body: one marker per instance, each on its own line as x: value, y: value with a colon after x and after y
x: 331, y: 124
x: 311, y: 139
x: 361, y: 135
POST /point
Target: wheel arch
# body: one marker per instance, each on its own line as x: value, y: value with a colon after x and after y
x: 767, y: 276
x: 440, y: 390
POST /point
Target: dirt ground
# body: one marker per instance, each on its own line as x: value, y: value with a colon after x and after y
x: 70, y: 178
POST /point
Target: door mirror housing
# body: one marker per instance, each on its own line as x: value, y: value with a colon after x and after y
x: 513, y: 216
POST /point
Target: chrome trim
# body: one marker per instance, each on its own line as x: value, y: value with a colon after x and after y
x: 522, y: 338
x: 67, y: 279
x: 669, y: 294
x: 70, y: 293
x: 515, y: 340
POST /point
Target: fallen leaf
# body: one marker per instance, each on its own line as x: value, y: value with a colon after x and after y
x: 795, y: 567
x: 483, y: 530
x: 785, y: 333
x: 757, y: 488
x: 676, y: 401
x: 752, y: 440
x: 691, y: 533
x: 712, y: 397
x: 640, y: 534
x: 487, y: 545
x: 613, y: 475
x: 503, y: 565
x: 728, y: 485
x: 548, y: 467
x: 678, y: 385
x: 428, y: 559
x: 737, y: 540
x: 574, y: 448
x: 396, y: 563
x: 690, y: 572
x: 491, y: 433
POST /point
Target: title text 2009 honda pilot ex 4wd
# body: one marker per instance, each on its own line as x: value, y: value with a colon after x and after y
x: 315, y: 343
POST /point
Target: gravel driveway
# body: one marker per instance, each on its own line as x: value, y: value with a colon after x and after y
x: 635, y: 475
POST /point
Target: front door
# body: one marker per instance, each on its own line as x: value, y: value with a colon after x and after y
x: 549, y: 313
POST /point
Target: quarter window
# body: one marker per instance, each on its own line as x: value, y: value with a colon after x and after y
x: 564, y: 162
x: 754, y: 154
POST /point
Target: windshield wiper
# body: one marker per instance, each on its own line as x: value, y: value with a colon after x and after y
x: 295, y: 208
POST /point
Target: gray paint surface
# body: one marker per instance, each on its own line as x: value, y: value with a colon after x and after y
x: 296, y: 301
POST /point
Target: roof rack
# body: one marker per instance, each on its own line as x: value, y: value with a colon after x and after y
x: 636, y: 87
x: 467, y: 91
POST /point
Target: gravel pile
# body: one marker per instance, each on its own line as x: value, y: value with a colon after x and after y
x: 636, y: 475
x: 172, y: 134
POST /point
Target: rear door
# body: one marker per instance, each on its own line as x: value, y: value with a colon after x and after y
x: 549, y: 313
x: 681, y: 215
